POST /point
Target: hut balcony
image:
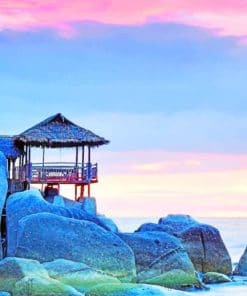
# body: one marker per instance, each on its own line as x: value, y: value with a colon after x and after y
x: 56, y: 172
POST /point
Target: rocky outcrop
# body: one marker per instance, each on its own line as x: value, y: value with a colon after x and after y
x: 241, y: 268
x: 37, y: 286
x: 215, y: 278
x: 156, y: 255
x: 202, y: 242
x: 88, y: 204
x: 132, y: 290
x: 78, y: 275
x: 46, y: 237
x: 14, y: 269
x: 109, y: 223
x: 29, y: 202
x: 3, y: 189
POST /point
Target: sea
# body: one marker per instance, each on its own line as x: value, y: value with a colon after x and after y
x: 234, y: 235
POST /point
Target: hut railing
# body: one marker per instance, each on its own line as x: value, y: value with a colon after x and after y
x: 67, y: 173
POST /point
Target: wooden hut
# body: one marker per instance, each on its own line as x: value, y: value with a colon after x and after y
x: 58, y: 132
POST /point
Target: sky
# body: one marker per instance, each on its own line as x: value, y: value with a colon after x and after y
x: 164, y: 81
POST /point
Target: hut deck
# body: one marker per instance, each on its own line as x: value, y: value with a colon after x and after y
x: 66, y: 173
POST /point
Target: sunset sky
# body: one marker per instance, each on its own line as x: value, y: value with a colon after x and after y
x: 164, y: 81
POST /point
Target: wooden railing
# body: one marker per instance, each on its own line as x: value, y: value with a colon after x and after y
x: 52, y: 172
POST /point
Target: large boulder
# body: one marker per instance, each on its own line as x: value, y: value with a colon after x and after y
x: 22, y: 204
x: 177, y: 223
x: 241, y: 268
x: 88, y: 204
x: 215, y: 278
x: 156, y: 255
x: 37, y: 286
x: 46, y: 237
x: 14, y: 269
x: 132, y: 290
x: 3, y: 190
x: 202, y: 242
x: 76, y: 274
x: 108, y: 222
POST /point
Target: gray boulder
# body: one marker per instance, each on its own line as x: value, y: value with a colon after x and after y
x: 206, y: 249
x: 132, y: 290
x: 177, y: 223
x: 156, y: 255
x: 88, y: 204
x: 46, y: 237
x: 155, y: 227
x: 14, y: 269
x: 78, y: 275
x: 109, y: 222
x: 38, y: 286
x: 3, y: 190
x: 202, y: 242
x: 215, y: 278
x: 22, y: 204
x: 241, y: 268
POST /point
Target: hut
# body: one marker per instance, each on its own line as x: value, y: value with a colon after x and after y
x: 12, y: 152
x: 57, y: 132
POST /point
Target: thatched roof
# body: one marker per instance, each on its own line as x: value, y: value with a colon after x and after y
x: 58, y: 131
x: 8, y: 147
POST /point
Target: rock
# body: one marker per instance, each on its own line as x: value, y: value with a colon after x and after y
x: 156, y: 255
x: 3, y: 190
x: 132, y: 290
x: 22, y: 204
x: 77, y: 275
x: 88, y: 204
x: 241, y: 268
x: 202, y: 242
x: 215, y: 278
x: 177, y: 223
x: 206, y: 249
x: 4, y: 293
x: 14, y: 269
x: 58, y: 201
x: 46, y: 237
x: 36, y: 286
x: 155, y: 227
x: 109, y: 223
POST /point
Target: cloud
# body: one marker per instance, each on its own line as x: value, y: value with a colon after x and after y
x: 223, y: 17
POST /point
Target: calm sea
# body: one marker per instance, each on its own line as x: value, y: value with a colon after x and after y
x: 234, y: 234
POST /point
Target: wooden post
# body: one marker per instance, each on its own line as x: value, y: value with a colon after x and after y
x: 76, y: 163
x: 19, y: 170
x: 82, y: 191
x: 42, y: 172
x: 13, y: 169
x: 89, y: 164
x: 29, y: 154
x: 82, y: 163
x: 25, y: 160
x: 9, y: 167
x: 75, y: 192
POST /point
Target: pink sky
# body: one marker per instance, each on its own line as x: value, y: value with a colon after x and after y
x: 223, y: 17
x: 155, y: 183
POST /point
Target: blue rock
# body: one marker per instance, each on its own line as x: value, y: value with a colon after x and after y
x: 202, y: 242
x: 46, y: 237
x: 29, y: 202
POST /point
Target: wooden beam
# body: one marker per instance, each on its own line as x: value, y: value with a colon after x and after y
x: 89, y: 163
x: 76, y: 157
x: 43, y: 164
